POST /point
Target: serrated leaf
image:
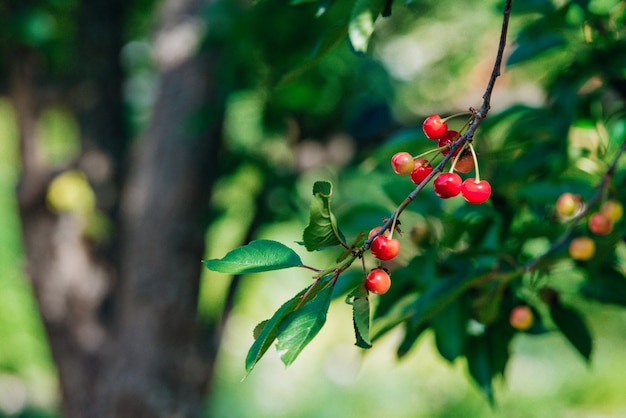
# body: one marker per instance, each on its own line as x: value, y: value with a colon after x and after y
x: 362, y: 19
x: 266, y: 332
x: 322, y: 229
x: 360, y: 302
x: 300, y: 326
x: 259, y: 328
x: 573, y: 327
x: 257, y: 256
x: 449, y: 326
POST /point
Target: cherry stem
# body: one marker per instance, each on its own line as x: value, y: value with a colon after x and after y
x: 456, y: 115
x: 475, y: 158
x: 457, y: 156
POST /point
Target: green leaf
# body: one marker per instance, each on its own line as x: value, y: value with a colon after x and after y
x: 299, y: 327
x: 329, y: 40
x: 362, y: 19
x: 479, y: 364
x: 531, y: 46
x: 322, y: 229
x: 449, y: 326
x: 572, y: 325
x: 257, y: 256
x: 266, y: 331
x: 607, y: 286
x: 411, y: 335
x: 360, y: 302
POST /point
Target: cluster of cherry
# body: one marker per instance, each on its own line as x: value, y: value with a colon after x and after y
x: 446, y: 185
x: 600, y: 222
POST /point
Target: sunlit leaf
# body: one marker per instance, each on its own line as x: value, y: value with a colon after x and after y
x: 362, y: 19
x: 257, y: 256
x: 322, y: 229
x: 299, y: 327
x: 572, y: 325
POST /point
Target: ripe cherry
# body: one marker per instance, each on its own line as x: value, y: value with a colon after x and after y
x: 402, y: 163
x: 434, y: 127
x: 421, y: 171
x: 448, y: 138
x: 582, y: 248
x: 521, y: 317
x: 447, y: 185
x: 378, y: 281
x: 600, y: 224
x: 375, y: 230
x: 384, y: 248
x: 476, y: 191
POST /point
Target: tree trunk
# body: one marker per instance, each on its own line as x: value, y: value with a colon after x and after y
x: 121, y: 319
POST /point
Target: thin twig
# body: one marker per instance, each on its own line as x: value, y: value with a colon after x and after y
x: 477, y: 118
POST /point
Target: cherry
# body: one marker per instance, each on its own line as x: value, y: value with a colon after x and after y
x: 448, y: 138
x: 402, y: 163
x: 384, y: 248
x: 582, y: 248
x: 612, y: 210
x: 447, y: 185
x: 378, y: 281
x: 465, y: 163
x: 568, y: 204
x: 434, y: 127
x: 521, y: 317
x: 476, y: 191
x: 421, y: 171
x: 600, y: 224
x: 375, y: 230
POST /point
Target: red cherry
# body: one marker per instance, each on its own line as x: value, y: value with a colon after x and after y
x: 434, y: 127
x: 384, y: 248
x: 421, y: 171
x: 521, y: 317
x: 448, y: 138
x: 476, y: 191
x: 600, y: 224
x: 465, y: 163
x: 402, y: 163
x: 447, y: 185
x: 378, y: 281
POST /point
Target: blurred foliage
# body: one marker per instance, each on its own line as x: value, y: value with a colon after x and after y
x: 302, y: 106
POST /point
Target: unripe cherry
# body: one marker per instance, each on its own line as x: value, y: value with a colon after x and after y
x: 612, y: 210
x: 582, y: 248
x: 402, y: 163
x: 521, y: 317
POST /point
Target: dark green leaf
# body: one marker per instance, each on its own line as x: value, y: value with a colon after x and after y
x: 259, y: 328
x: 329, y: 40
x: 257, y: 256
x: 573, y: 327
x: 449, y: 326
x: 299, y: 327
x: 362, y: 19
x: 607, y: 286
x: 479, y: 364
x: 322, y: 229
x: 411, y: 335
x: 360, y: 302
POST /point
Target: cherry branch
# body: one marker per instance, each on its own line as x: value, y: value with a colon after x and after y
x: 477, y: 118
x: 604, y: 183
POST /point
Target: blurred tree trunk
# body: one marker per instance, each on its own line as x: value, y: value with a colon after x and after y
x: 121, y: 317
